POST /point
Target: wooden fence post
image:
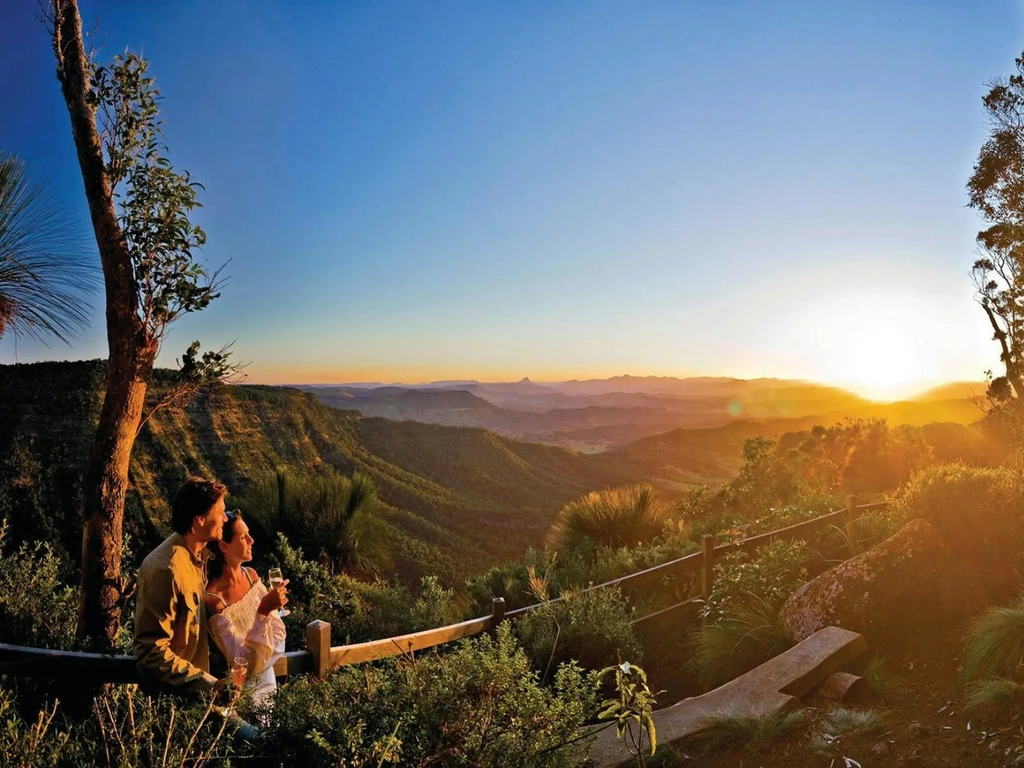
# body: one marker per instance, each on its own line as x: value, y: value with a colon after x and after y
x: 318, y: 643
x: 497, y: 611
x: 707, y: 563
x: 851, y: 509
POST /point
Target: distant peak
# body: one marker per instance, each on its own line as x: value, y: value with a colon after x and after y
x: 525, y: 380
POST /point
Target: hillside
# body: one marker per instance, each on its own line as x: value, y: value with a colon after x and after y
x: 459, y: 499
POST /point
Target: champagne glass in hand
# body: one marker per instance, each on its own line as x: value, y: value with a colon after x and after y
x: 276, y: 578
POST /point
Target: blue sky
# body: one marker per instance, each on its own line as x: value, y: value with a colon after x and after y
x: 412, y: 191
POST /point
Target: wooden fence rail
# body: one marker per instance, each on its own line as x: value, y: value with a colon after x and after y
x: 319, y: 657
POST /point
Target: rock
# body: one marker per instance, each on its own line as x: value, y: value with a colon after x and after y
x: 897, y: 588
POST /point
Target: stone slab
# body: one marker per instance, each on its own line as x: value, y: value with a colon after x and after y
x: 774, y: 686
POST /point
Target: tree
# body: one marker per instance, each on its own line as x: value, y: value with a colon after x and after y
x: 996, y: 191
x: 45, y: 273
x: 140, y: 209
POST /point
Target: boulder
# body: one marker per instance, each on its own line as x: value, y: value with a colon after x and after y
x: 905, y: 584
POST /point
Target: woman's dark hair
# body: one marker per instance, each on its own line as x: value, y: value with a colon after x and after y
x: 215, y: 567
x: 195, y: 498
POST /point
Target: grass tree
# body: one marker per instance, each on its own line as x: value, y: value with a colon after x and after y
x: 330, y: 517
x: 45, y: 272
x: 615, y: 517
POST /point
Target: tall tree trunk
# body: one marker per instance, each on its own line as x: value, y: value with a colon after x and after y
x: 131, y: 352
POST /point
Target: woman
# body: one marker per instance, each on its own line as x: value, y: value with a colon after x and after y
x: 242, y: 613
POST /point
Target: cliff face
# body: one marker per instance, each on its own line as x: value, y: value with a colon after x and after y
x: 458, y: 500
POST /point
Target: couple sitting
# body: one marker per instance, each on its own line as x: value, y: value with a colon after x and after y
x: 175, y: 598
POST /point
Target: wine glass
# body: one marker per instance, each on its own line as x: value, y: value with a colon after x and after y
x: 238, y: 671
x: 276, y: 578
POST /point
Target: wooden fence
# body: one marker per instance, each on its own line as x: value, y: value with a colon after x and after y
x: 319, y: 657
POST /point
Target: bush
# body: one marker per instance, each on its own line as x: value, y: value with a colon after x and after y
x: 615, y: 517
x: 36, y: 608
x: 479, y: 705
x: 979, y: 512
x: 741, y: 626
x: 778, y: 571
x: 125, y: 729
x: 593, y: 628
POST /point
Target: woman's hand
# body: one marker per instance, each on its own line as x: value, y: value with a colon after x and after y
x: 274, y: 600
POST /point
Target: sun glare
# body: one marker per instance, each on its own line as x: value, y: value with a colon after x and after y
x: 878, y: 352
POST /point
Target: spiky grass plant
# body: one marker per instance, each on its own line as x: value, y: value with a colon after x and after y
x: 614, y: 517
x: 329, y: 516
x: 46, y: 268
x: 843, y: 720
x: 995, y: 644
x: 879, y: 680
x: 753, y: 730
x: 995, y: 693
x: 748, y: 635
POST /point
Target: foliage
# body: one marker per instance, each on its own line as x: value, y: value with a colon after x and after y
x: 124, y: 729
x: 880, y: 681
x: 313, y: 594
x: 995, y: 643
x: 329, y: 516
x: 614, y: 517
x: 996, y: 191
x: 774, y: 575
x: 36, y: 608
x: 593, y: 628
x: 435, y: 606
x: 477, y: 706
x: 155, y: 202
x: 748, y: 634
x: 741, y: 627
x: 632, y: 708
x: 754, y: 730
x: 978, y: 511
x: 46, y: 272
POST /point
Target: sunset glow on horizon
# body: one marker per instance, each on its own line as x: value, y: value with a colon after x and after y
x: 488, y: 193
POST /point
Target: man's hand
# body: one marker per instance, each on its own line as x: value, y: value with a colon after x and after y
x: 274, y: 600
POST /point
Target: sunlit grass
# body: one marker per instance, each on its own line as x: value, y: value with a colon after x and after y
x: 615, y: 517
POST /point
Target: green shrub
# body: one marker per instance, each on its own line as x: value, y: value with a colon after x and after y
x: 741, y: 626
x: 593, y: 628
x: 36, y: 606
x: 435, y: 606
x: 477, y: 706
x: 979, y: 512
x: 778, y: 570
x: 615, y: 517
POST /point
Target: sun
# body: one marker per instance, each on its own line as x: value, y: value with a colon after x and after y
x: 878, y: 351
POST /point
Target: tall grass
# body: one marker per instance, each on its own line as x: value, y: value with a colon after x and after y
x: 749, y: 635
x: 995, y: 643
x: 614, y: 517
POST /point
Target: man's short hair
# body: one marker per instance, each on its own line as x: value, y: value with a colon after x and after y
x: 195, y: 497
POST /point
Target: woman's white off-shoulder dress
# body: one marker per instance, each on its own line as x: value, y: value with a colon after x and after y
x: 239, y: 630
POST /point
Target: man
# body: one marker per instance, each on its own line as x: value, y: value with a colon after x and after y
x: 171, y: 648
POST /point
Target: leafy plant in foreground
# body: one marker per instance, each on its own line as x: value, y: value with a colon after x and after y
x: 632, y: 709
